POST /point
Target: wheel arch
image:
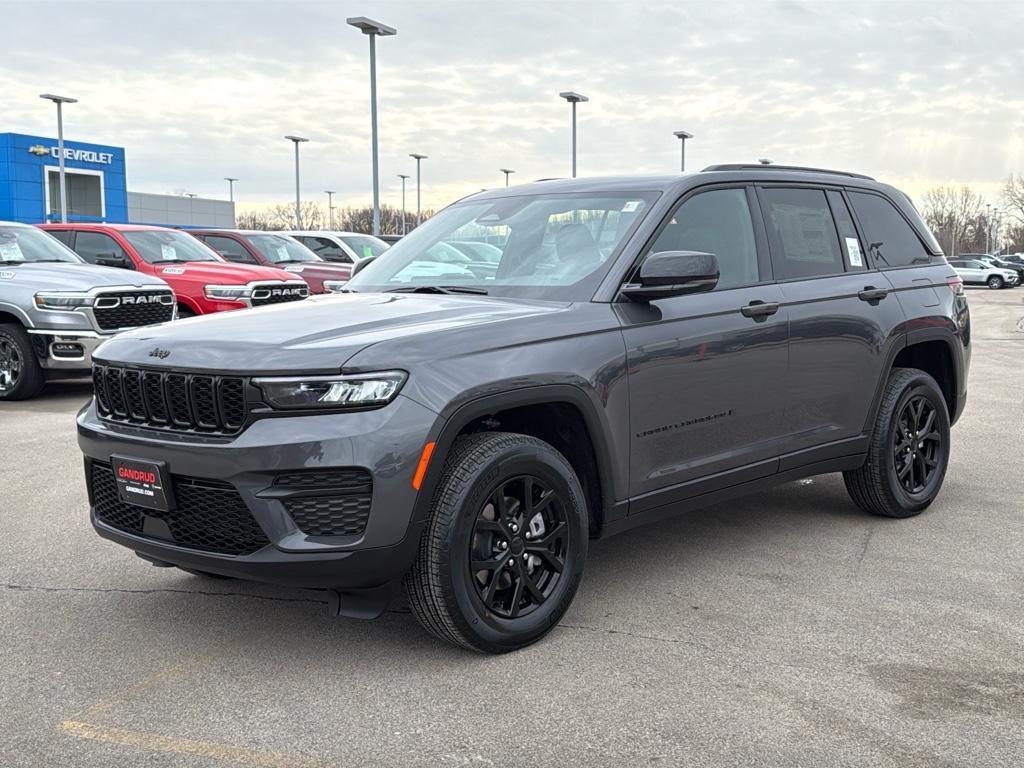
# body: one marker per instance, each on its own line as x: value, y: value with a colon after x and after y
x: 10, y: 313
x: 520, y: 411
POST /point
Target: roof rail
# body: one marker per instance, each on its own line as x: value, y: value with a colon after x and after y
x: 773, y: 167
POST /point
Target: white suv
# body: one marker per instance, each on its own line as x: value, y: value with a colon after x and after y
x: 341, y: 247
x: 977, y: 271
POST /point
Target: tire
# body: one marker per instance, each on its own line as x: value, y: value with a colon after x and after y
x: 995, y: 282
x: 880, y: 486
x: 479, y: 609
x: 21, y: 376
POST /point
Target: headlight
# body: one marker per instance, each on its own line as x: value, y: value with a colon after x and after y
x: 335, y: 286
x: 66, y: 301
x: 356, y: 391
x: 228, y: 292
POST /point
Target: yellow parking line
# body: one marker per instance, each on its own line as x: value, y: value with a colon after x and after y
x: 156, y: 743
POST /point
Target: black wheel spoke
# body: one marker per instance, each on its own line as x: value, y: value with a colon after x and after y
x: 513, y: 572
x: 553, y: 561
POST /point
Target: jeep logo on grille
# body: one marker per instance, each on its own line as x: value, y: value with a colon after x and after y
x: 161, y: 353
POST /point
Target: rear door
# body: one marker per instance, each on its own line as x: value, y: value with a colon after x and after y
x: 843, y: 320
x: 707, y: 371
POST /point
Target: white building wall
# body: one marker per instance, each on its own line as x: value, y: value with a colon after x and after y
x: 180, y: 211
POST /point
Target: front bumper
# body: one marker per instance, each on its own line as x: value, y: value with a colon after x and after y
x: 387, y: 442
x: 66, y: 350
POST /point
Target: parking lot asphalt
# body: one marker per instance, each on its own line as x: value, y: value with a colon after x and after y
x: 784, y: 629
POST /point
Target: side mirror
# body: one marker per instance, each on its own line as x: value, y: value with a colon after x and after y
x: 673, y: 273
x: 113, y: 259
x: 362, y: 264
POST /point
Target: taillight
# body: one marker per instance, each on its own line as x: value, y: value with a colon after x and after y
x: 956, y: 284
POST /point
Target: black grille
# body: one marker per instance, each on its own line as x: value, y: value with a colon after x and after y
x: 333, y: 502
x: 330, y: 515
x: 190, y: 402
x: 210, y: 515
x: 122, y: 309
x: 278, y: 294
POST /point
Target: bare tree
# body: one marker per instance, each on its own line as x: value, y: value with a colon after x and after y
x: 956, y: 216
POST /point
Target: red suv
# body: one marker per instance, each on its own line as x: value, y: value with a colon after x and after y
x: 272, y: 249
x: 202, y: 281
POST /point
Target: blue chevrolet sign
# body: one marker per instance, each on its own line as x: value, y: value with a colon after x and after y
x: 29, y: 188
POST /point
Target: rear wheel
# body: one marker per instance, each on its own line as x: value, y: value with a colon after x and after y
x: 503, y: 552
x: 995, y: 282
x: 21, y: 376
x: 909, y: 448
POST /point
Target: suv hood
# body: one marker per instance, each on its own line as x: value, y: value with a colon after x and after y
x: 320, y: 334
x: 72, y: 276
x: 220, y: 272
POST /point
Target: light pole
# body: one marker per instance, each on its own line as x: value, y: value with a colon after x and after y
x: 373, y: 28
x: 60, y: 101
x: 330, y: 206
x: 298, y: 205
x: 506, y: 171
x: 573, y: 98
x: 682, y: 136
x: 988, y: 226
x: 231, y: 187
x: 403, y: 177
x: 417, y: 158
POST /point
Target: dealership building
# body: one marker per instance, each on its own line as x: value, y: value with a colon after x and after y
x: 97, y: 188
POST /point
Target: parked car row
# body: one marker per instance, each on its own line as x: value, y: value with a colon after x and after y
x: 982, y: 269
x: 64, y: 292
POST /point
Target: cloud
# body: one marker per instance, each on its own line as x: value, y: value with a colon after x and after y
x: 914, y: 93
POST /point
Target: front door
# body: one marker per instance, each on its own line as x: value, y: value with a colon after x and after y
x: 707, y: 371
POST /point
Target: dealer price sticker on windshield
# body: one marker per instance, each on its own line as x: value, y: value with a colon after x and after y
x: 142, y: 483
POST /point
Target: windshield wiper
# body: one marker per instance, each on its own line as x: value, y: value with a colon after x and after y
x: 293, y: 261
x: 440, y: 289
x: 167, y: 261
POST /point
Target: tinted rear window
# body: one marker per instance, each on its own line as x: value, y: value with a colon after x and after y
x: 801, y: 233
x: 891, y: 240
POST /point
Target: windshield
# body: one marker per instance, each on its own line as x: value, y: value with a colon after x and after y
x: 554, y: 247
x: 21, y: 244
x: 281, y: 250
x: 165, y: 246
x: 365, y: 246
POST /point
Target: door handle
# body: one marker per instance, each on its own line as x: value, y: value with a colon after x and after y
x: 870, y: 293
x: 759, y: 308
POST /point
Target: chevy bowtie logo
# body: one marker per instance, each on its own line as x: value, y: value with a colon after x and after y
x: 161, y: 353
x: 39, y: 150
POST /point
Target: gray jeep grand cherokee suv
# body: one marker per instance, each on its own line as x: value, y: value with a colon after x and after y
x: 643, y: 346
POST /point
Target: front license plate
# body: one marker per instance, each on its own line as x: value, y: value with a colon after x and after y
x: 142, y: 483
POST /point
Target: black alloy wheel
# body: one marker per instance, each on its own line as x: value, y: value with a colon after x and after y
x: 518, y: 547
x: 21, y: 375
x: 917, y: 445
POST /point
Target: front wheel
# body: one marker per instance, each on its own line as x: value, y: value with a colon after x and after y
x: 995, y: 282
x: 503, y: 552
x: 21, y: 376
x: 909, y: 448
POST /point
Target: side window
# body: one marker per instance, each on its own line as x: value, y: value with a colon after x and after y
x: 853, y: 250
x: 97, y: 248
x: 230, y: 249
x: 801, y: 233
x: 64, y: 235
x: 325, y: 249
x: 891, y: 241
x: 716, y: 222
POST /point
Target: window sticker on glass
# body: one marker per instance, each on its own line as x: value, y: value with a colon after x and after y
x: 631, y: 206
x: 282, y: 253
x: 853, y: 251
x: 168, y: 253
x: 367, y: 251
x: 11, y: 252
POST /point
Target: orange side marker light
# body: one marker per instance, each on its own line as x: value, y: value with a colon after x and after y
x: 421, y: 468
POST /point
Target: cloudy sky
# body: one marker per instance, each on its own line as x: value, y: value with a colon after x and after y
x: 915, y: 93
